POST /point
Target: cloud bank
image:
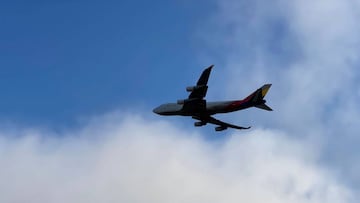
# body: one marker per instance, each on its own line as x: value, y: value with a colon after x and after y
x: 309, y: 50
x: 132, y: 159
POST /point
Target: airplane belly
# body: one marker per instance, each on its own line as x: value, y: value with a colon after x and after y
x: 217, y: 107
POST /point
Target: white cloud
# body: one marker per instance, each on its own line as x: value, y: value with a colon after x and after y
x: 320, y: 73
x: 309, y: 50
x: 137, y: 160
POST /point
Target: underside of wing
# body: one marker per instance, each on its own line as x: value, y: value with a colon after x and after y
x: 220, y: 124
x: 199, y: 91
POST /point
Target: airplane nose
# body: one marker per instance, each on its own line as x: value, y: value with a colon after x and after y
x: 156, y: 110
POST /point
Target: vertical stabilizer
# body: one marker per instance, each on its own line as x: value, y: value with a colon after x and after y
x: 265, y: 89
x: 257, y: 97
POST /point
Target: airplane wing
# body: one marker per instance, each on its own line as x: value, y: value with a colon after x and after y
x: 221, y: 125
x: 199, y: 91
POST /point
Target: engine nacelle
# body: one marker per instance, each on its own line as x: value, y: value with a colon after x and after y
x: 200, y: 123
x: 220, y: 128
x: 190, y: 88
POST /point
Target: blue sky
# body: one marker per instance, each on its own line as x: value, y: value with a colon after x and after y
x: 65, y: 59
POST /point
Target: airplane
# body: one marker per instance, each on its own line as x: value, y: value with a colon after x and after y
x: 199, y: 109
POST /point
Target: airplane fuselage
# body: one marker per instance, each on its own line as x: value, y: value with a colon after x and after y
x: 211, y: 108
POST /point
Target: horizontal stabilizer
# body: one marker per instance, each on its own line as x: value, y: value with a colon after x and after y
x: 264, y: 106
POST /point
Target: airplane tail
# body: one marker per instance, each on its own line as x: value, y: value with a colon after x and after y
x: 263, y: 106
x: 257, y: 97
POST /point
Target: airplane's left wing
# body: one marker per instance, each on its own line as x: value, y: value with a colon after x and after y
x: 222, y: 125
x: 196, y: 102
x: 199, y: 91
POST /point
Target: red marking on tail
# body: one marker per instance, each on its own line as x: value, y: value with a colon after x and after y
x: 236, y: 104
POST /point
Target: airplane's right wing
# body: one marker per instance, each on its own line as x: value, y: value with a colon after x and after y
x: 221, y: 125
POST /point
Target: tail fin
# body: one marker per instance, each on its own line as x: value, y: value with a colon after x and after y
x: 264, y: 89
x: 257, y: 97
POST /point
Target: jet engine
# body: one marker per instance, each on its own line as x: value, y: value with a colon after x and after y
x: 220, y: 128
x: 200, y: 123
x: 180, y: 101
x: 190, y: 88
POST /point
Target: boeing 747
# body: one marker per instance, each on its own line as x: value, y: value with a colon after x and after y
x: 198, y: 108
